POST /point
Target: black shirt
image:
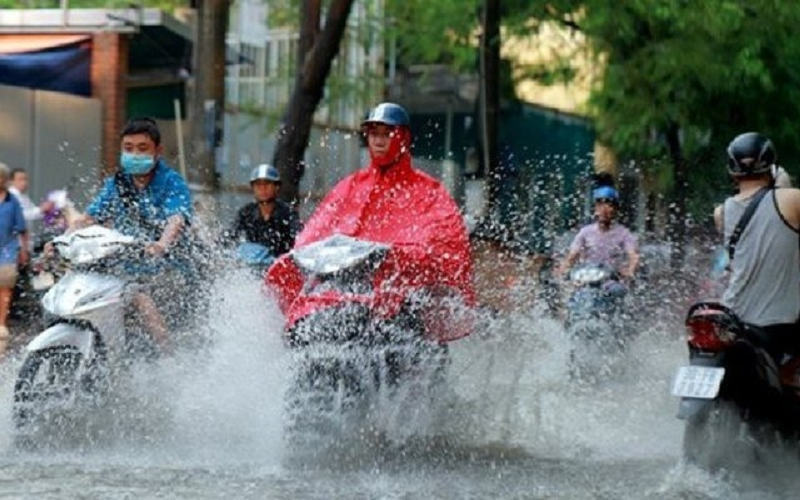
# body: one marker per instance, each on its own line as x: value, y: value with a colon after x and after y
x: 277, y: 233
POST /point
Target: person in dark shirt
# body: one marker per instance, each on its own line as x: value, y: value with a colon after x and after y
x: 266, y: 221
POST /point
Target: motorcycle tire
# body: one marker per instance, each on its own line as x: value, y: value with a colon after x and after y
x: 595, y: 354
x: 61, y: 364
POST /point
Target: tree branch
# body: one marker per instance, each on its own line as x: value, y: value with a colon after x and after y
x: 309, y: 30
x: 564, y: 19
x: 569, y: 23
x: 309, y: 88
x: 319, y: 61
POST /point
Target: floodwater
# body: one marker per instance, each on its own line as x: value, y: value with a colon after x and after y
x: 210, y: 427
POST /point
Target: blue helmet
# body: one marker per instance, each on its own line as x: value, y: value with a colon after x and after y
x: 388, y: 113
x: 605, y: 194
x: 265, y: 172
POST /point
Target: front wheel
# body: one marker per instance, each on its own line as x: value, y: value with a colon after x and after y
x: 51, y: 381
x: 47, y: 379
x: 596, y: 352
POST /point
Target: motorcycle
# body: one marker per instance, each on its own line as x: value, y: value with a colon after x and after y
x: 88, y: 343
x: 595, y: 322
x: 356, y: 342
x: 734, y: 396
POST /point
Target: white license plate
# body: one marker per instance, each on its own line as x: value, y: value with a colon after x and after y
x: 700, y: 382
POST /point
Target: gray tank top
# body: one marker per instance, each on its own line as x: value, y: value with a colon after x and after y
x: 764, y: 286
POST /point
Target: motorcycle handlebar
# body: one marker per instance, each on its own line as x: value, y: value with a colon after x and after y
x: 564, y: 279
x: 133, y: 250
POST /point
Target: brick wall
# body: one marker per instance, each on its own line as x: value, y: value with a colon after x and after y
x: 109, y: 76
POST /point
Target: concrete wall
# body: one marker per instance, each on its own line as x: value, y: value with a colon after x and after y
x: 55, y: 137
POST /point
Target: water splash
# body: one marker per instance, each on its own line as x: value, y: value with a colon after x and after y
x: 514, y: 423
x: 218, y: 405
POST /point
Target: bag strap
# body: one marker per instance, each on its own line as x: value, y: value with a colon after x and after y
x: 745, y: 219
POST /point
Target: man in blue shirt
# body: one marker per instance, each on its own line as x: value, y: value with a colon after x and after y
x: 151, y: 202
x: 13, y: 250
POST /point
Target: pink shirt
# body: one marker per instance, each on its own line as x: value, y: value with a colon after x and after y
x: 608, y: 247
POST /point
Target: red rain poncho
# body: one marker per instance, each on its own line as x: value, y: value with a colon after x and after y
x: 414, y: 213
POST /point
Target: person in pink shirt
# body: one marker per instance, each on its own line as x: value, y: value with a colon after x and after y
x: 604, y: 241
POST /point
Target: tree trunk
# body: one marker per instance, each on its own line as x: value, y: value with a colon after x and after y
x: 208, y: 100
x: 677, y: 212
x: 490, y: 97
x: 313, y: 69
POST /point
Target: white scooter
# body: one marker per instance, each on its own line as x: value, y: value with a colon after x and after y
x: 74, y: 358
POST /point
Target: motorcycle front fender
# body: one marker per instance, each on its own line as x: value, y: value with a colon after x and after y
x: 689, y: 407
x: 307, y: 305
x: 591, y: 302
x: 64, y: 334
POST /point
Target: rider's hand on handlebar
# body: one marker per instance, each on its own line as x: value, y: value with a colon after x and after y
x: 24, y: 255
x: 47, y: 206
x: 49, y: 250
x: 155, y: 249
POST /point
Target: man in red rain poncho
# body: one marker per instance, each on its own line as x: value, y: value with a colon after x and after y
x: 391, y: 202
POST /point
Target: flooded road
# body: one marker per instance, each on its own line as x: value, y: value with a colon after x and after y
x: 516, y: 428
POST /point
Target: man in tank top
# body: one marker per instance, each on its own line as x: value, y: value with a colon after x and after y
x: 764, y: 286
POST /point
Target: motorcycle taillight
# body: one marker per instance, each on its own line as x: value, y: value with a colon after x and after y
x: 707, y: 335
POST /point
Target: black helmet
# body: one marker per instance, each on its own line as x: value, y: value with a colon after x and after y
x: 388, y: 113
x: 751, y: 153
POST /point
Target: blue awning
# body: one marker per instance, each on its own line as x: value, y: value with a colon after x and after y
x: 61, y: 68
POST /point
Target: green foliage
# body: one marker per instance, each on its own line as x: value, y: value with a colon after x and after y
x: 434, y: 32
x: 714, y: 67
x: 447, y: 32
x: 166, y: 5
x: 284, y: 13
